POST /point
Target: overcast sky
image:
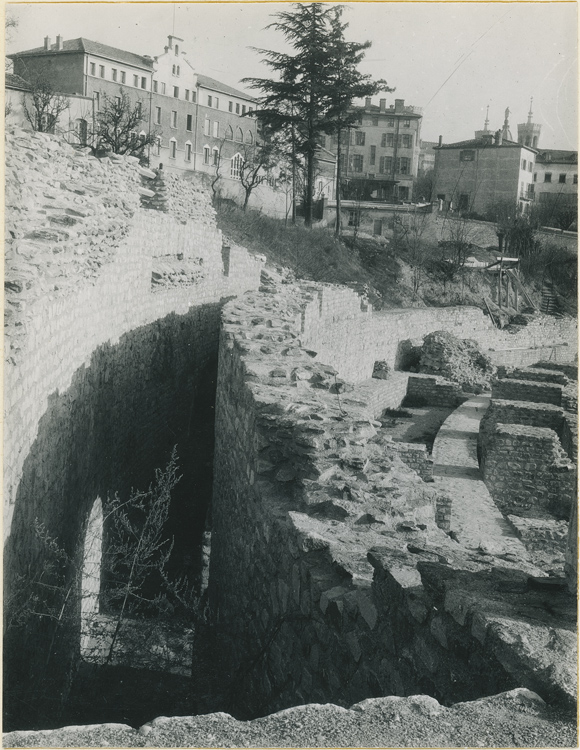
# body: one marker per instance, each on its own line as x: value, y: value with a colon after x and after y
x: 452, y: 59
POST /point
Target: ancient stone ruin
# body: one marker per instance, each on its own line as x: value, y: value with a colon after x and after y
x: 344, y: 565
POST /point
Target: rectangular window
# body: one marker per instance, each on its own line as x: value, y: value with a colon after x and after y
x: 373, y: 155
x: 384, y: 140
x: 143, y: 82
x: 172, y: 149
x: 466, y: 155
x: 357, y: 163
x: 562, y: 178
x: 359, y: 138
x: 114, y: 74
x: 217, y: 103
x: 375, y: 121
x: 406, y: 123
x: 390, y: 139
x: 193, y: 96
x: 97, y: 100
x: 123, y: 77
x: 176, y: 92
x: 118, y: 101
x: 548, y: 177
x: 155, y: 87
x: 390, y: 123
x: 216, y: 157
x: 174, y: 119
x: 93, y: 69
x: 530, y: 166
x: 230, y: 106
x: 102, y: 71
x: 209, y: 101
x: 406, y: 141
x: 206, y: 126
x: 403, y: 192
x: 524, y: 164
x: 158, y: 115
x: 189, y: 125
x: 136, y: 81
x: 186, y: 95
x: 162, y: 87
x: 188, y: 152
x: 403, y: 165
x: 575, y: 179
x: 535, y: 176
x: 216, y: 129
x: 237, y: 109
x: 243, y: 109
x: 353, y: 218
x: 206, y: 154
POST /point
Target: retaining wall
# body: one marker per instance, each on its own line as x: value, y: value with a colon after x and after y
x: 111, y: 348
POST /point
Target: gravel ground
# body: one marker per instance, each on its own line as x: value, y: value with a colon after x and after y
x: 518, y: 718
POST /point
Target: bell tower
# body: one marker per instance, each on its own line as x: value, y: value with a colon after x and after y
x: 529, y: 132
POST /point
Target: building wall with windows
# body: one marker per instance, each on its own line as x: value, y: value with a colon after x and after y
x: 556, y: 177
x: 473, y: 175
x: 382, y: 150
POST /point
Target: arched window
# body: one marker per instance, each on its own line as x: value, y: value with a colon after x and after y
x: 172, y: 148
x: 188, y: 151
x: 249, y: 137
x: 142, y: 136
x: 206, y: 153
x: 236, y: 166
x: 91, y: 578
x: 229, y: 133
x: 239, y: 135
x: 215, y: 156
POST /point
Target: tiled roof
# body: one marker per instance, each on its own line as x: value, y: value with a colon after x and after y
x: 482, y: 143
x: 89, y: 47
x: 16, y: 82
x: 211, y: 83
x: 557, y: 156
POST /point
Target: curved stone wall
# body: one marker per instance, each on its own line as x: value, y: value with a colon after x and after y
x: 111, y: 348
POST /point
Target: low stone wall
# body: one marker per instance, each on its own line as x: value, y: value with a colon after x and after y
x: 527, y: 390
x: 432, y: 390
x: 416, y: 457
x: 527, y: 472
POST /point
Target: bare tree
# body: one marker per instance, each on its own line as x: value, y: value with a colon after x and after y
x: 408, y: 236
x: 120, y: 126
x: 42, y: 105
x: 258, y: 160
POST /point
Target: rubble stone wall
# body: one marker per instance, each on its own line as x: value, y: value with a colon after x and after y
x: 527, y: 390
x: 306, y: 489
x: 527, y: 471
x: 111, y: 338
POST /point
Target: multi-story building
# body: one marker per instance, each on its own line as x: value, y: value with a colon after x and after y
x: 556, y: 178
x: 202, y: 124
x: 473, y: 175
x: 380, y: 155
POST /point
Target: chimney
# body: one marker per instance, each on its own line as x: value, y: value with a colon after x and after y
x: 46, y: 42
x: 59, y: 43
x: 382, y: 104
x: 368, y: 102
x: 440, y: 140
x: 399, y: 105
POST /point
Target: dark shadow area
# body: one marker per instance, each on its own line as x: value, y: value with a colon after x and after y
x: 116, y: 423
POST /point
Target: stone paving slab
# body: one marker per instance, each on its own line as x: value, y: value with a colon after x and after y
x: 475, y: 519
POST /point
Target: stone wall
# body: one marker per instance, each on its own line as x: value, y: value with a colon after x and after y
x: 305, y: 484
x: 527, y: 390
x: 432, y: 390
x: 111, y: 346
x: 527, y: 471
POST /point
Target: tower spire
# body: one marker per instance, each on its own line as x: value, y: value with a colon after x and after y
x: 486, y: 123
x: 530, y: 113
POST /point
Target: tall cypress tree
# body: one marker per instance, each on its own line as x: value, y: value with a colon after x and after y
x: 297, y: 100
x: 345, y: 84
